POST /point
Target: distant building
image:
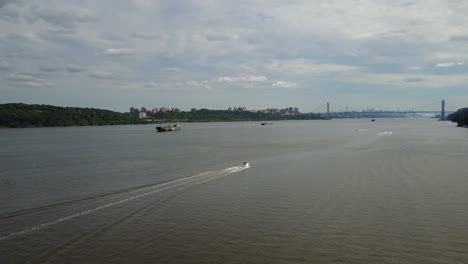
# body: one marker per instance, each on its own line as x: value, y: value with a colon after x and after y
x: 230, y: 109
x: 193, y: 110
x: 154, y: 110
x: 142, y: 115
x: 143, y: 109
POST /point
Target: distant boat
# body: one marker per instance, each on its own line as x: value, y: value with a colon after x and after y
x: 246, y: 164
x: 168, y: 128
x: 267, y: 123
x: 373, y: 120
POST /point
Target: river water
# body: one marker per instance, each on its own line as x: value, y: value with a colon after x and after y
x: 339, y: 191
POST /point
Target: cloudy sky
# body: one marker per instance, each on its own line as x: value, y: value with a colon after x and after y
x: 212, y: 53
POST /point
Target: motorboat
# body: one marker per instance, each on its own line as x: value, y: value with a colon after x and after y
x: 246, y: 164
x: 267, y: 123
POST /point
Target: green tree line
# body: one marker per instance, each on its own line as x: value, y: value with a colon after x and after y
x: 33, y: 115
x: 205, y: 115
x: 460, y: 116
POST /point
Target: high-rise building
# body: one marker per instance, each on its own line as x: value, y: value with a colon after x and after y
x: 143, y: 109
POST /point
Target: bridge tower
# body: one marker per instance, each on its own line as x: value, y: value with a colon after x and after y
x: 442, y: 111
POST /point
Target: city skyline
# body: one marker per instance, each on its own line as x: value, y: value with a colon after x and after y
x: 111, y: 54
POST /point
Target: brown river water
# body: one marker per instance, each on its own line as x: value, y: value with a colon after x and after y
x: 339, y: 191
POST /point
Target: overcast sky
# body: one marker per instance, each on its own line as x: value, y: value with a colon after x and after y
x: 211, y: 53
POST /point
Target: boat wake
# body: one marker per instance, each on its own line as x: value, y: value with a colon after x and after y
x: 385, y: 133
x: 136, y: 194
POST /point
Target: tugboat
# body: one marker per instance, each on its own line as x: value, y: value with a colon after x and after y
x: 168, y: 128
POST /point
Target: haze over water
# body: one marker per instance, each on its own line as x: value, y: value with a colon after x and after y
x: 339, y: 191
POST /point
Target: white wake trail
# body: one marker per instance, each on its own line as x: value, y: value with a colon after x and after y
x: 201, y: 178
x: 385, y: 133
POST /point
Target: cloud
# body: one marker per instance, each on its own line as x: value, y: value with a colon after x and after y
x: 461, y: 38
x: 9, y: 14
x: 249, y: 78
x: 101, y: 75
x: 283, y: 84
x: 302, y: 66
x: 449, y: 64
x: 74, y: 68
x: 4, y: 3
x: 59, y: 18
x: 171, y: 70
x: 24, y: 79
x: 146, y: 36
x: 220, y: 36
x: 413, y: 79
x: 5, y: 65
x: 184, y: 86
x: 49, y: 68
x: 116, y: 52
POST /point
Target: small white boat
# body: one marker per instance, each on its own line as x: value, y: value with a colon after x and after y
x: 246, y: 164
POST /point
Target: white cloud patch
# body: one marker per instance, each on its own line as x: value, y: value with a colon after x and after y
x: 449, y: 64
x: 302, y: 66
x: 116, y: 52
x: 283, y: 84
x: 249, y: 78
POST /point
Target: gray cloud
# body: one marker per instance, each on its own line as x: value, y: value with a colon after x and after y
x: 461, y: 38
x: 146, y: 36
x: 6, y: 65
x: 65, y: 19
x: 101, y: 75
x: 220, y: 36
x: 4, y: 3
x: 413, y: 79
x: 9, y: 14
x: 215, y: 48
x: 49, y: 68
x: 74, y: 68
x: 25, y: 79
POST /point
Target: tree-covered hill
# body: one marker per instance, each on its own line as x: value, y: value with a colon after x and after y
x: 460, y: 116
x: 25, y: 115
x: 205, y: 115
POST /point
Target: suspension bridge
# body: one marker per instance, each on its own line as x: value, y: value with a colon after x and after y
x: 438, y: 109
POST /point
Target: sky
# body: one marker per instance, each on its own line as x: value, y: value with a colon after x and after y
x: 385, y: 54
